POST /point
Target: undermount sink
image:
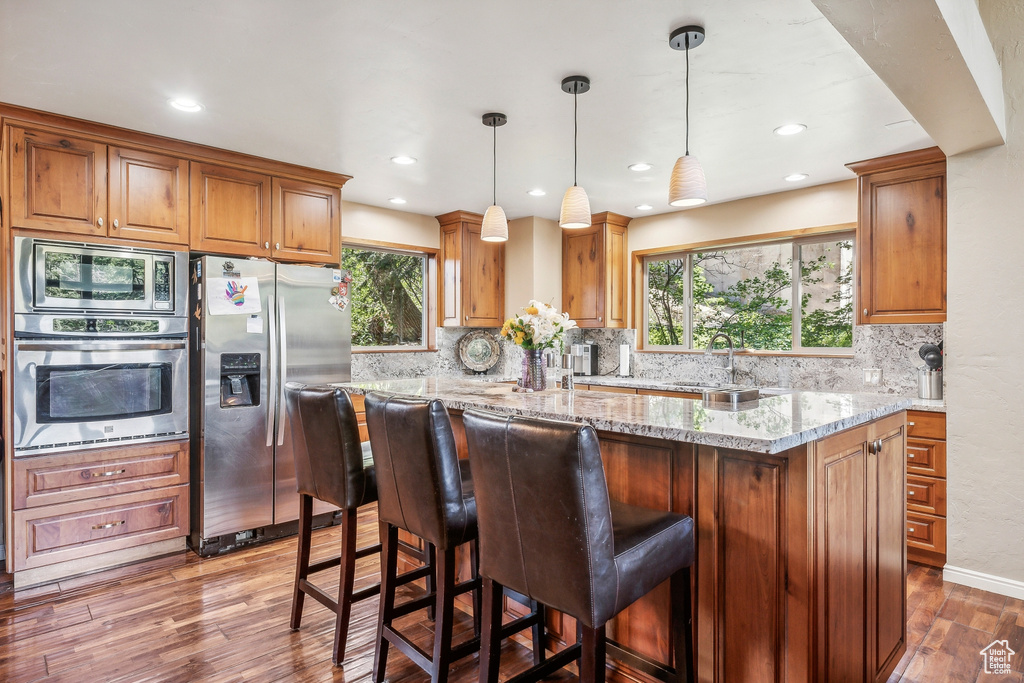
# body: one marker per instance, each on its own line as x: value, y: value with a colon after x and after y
x: 695, y: 384
x: 730, y: 398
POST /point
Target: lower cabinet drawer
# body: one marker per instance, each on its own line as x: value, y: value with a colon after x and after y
x: 927, y: 457
x: 926, y: 532
x: 68, y: 531
x: 926, y: 494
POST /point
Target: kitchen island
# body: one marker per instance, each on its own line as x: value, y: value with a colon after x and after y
x: 799, y: 505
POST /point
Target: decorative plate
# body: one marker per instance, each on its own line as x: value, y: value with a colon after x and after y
x: 479, y: 351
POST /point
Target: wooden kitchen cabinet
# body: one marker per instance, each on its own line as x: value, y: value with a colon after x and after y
x: 594, y: 272
x: 80, y: 186
x: 306, y: 225
x: 926, y: 488
x: 901, y: 238
x: 471, y: 289
x: 230, y: 211
x: 861, y: 555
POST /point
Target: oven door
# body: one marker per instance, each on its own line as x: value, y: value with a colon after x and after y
x: 68, y: 392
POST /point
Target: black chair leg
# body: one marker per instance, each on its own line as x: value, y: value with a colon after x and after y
x: 682, y: 625
x: 347, y: 579
x: 539, y: 643
x: 444, y: 615
x: 302, y: 557
x: 431, y: 552
x: 490, y: 641
x: 388, y: 571
x: 474, y: 563
x: 592, y: 655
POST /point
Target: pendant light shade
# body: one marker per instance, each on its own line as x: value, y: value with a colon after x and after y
x: 687, y: 186
x: 495, y: 225
x: 575, y: 211
x: 575, y: 208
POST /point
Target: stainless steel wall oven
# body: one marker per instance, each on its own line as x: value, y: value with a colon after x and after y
x: 100, y: 349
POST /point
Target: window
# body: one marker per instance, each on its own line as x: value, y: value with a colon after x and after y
x: 748, y: 292
x: 389, y: 294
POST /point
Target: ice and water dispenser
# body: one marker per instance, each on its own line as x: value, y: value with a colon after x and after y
x: 239, y: 380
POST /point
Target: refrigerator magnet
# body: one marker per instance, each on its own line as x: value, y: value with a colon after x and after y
x: 254, y: 324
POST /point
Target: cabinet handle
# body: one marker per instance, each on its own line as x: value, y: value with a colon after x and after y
x: 910, y: 424
x: 910, y: 493
x: 99, y: 221
x: 116, y: 226
x: 108, y: 474
x: 910, y: 529
x: 108, y: 525
x: 277, y: 245
x: 910, y: 455
x: 266, y: 245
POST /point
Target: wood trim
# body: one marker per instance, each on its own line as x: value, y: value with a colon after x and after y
x: 12, y: 114
x: 460, y: 217
x: 755, y: 352
x: 357, y: 242
x: 611, y: 219
x: 897, y: 161
x: 747, y: 240
x: 94, y: 239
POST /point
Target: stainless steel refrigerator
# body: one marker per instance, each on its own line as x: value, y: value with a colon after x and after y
x: 254, y: 326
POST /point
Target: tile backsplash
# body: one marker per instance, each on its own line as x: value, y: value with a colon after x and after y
x: 893, y: 348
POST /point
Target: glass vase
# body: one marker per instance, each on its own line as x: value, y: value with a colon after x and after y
x: 534, y: 378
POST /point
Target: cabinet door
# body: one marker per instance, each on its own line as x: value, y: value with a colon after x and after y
x: 483, y: 279
x: 902, y: 246
x: 230, y: 211
x: 58, y: 182
x: 583, y: 288
x: 887, y: 532
x: 307, y: 222
x: 148, y: 196
x: 618, y: 255
x: 449, y: 300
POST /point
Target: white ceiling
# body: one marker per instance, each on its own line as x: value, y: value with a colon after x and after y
x: 344, y: 85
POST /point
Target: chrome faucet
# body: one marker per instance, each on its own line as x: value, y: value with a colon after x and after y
x: 730, y: 366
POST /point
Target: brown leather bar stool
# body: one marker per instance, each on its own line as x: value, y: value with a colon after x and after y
x: 549, y: 530
x: 331, y: 465
x: 426, y: 490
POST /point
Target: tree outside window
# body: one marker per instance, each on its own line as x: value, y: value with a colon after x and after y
x: 748, y: 293
x: 388, y: 293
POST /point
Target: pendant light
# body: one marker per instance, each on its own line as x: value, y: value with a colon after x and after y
x: 687, y: 187
x: 495, y: 225
x: 575, y: 204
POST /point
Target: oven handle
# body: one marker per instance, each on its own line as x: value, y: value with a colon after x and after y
x: 99, y: 346
x: 281, y: 421
x: 271, y: 370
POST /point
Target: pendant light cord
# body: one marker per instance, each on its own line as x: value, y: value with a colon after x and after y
x: 575, y: 133
x: 494, y: 166
x: 687, y: 43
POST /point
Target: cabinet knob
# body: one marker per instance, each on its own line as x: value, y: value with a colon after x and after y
x: 277, y: 245
x: 99, y: 221
x: 865, y: 311
x: 910, y: 424
x: 266, y: 245
x: 600, y: 319
x: 910, y: 529
x: 116, y: 224
x: 910, y: 455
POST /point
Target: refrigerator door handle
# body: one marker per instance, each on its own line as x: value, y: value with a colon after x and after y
x: 283, y: 324
x: 271, y: 370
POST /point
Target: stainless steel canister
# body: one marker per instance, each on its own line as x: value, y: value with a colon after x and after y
x: 929, y: 383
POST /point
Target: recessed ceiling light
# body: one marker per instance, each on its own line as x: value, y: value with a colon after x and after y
x: 644, y: 207
x: 642, y: 166
x: 790, y: 129
x: 403, y: 160
x: 795, y: 177
x: 536, y: 192
x: 185, y: 104
x: 397, y: 200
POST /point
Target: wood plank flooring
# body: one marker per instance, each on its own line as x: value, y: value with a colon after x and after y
x: 183, y: 618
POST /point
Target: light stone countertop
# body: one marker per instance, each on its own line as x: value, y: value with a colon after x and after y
x: 774, y: 424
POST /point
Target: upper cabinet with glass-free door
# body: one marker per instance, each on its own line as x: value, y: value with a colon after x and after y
x: 901, y: 238
x: 72, y: 184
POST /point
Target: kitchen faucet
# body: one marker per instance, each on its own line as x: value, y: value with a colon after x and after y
x: 730, y: 366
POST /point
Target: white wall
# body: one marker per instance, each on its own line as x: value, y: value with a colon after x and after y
x: 361, y: 221
x: 985, y: 329
x: 533, y: 263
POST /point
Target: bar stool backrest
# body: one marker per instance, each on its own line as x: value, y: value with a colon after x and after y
x: 543, y: 512
x: 419, y: 482
x: 325, y: 441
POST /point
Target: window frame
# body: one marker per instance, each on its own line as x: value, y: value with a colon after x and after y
x: 794, y: 239
x: 429, y: 292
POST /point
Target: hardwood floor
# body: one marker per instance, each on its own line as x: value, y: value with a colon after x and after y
x: 183, y: 618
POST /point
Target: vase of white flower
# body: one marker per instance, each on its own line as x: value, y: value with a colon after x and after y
x: 539, y: 326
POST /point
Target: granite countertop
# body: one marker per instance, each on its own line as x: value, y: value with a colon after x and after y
x: 772, y: 425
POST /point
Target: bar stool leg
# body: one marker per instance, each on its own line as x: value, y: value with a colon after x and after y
x: 490, y: 641
x: 302, y: 557
x: 388, y: 570
x: 592, y: 655
x: 539, y: 643
x: 444, y: 614
x: 474, y: 563
x: 347, y: 579
x: 682, y: 625
x: 431, y: 554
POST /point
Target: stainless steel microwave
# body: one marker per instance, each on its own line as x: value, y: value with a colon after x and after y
x: 86, y: 279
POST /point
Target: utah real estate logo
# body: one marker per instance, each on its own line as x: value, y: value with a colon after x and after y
x: 997, y: 657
